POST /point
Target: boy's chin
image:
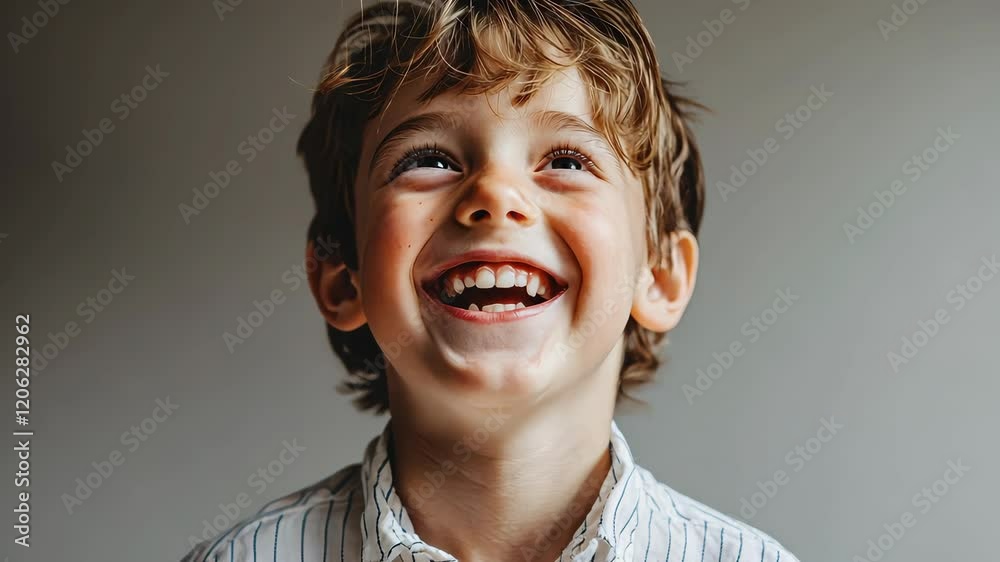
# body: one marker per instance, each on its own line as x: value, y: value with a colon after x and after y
x: 496, y: 378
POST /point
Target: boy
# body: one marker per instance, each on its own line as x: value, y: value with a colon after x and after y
x: 514, y: 193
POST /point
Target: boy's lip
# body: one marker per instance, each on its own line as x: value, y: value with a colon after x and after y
x: 491, y: 255
x: 481, y: 317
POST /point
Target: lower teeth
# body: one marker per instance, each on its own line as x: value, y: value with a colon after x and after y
x: 498, y: 307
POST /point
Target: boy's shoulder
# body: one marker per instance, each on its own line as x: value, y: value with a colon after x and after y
x: 308, y: 512
x: 694, y: 524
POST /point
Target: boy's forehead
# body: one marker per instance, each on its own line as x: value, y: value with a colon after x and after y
x: 562, y: 91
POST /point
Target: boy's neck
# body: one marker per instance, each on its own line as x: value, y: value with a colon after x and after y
x: 518, y: 484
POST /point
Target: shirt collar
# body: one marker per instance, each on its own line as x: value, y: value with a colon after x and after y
x: 606, y: 533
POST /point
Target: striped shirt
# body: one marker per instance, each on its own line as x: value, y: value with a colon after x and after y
x: 356, y: 515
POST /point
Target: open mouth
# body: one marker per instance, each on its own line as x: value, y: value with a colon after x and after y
x: 494, y: 287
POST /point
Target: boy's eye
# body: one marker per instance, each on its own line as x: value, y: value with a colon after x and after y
x: 566, y: 163
x: 428, y: 161
x: 423, y: 158
x: 568, y: 159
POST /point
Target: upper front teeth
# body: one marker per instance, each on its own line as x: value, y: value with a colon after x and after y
x: 502, y: 276
x: 485, y: 278
x: 505, y: 277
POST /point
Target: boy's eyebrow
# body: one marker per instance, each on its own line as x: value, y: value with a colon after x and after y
x: 563, y: 120
x: 572, y: 122
x: 432, y: 121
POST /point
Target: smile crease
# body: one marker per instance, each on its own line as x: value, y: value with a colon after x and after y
x: 494, y: 287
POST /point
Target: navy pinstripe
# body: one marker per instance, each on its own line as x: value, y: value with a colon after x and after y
x: 670, y: 540
x: 255, y: 541
x: 704, y: 541
x: 722, y: 542
x: 343, y: 528
x: 685, y: 553
x: 277, y: 526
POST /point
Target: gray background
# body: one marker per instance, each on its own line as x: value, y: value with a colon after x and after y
x: 826, y: 356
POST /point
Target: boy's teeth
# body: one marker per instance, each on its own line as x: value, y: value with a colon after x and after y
x: 532, y: 285
x: 505, y: 277
x: 485, y: 278
x: 497, y: 307
x: 499, y: 276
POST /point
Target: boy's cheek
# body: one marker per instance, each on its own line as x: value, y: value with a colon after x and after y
x: 386, y: 261
x: 392, y: 239
x: 600, y: 235
x: 393, y: 231
x: 600, y: 216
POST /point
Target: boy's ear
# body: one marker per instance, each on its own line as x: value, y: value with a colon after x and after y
x: 337, y: 291
x: 663, y: 293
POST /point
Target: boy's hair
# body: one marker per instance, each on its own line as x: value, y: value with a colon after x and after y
x: 480, y: 46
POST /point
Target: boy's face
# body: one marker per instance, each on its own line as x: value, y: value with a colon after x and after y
x: 531, y: 207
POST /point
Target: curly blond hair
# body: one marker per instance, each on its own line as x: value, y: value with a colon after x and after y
x: 478, y: 47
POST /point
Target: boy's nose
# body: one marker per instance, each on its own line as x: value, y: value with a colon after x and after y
x: 496, y: 201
